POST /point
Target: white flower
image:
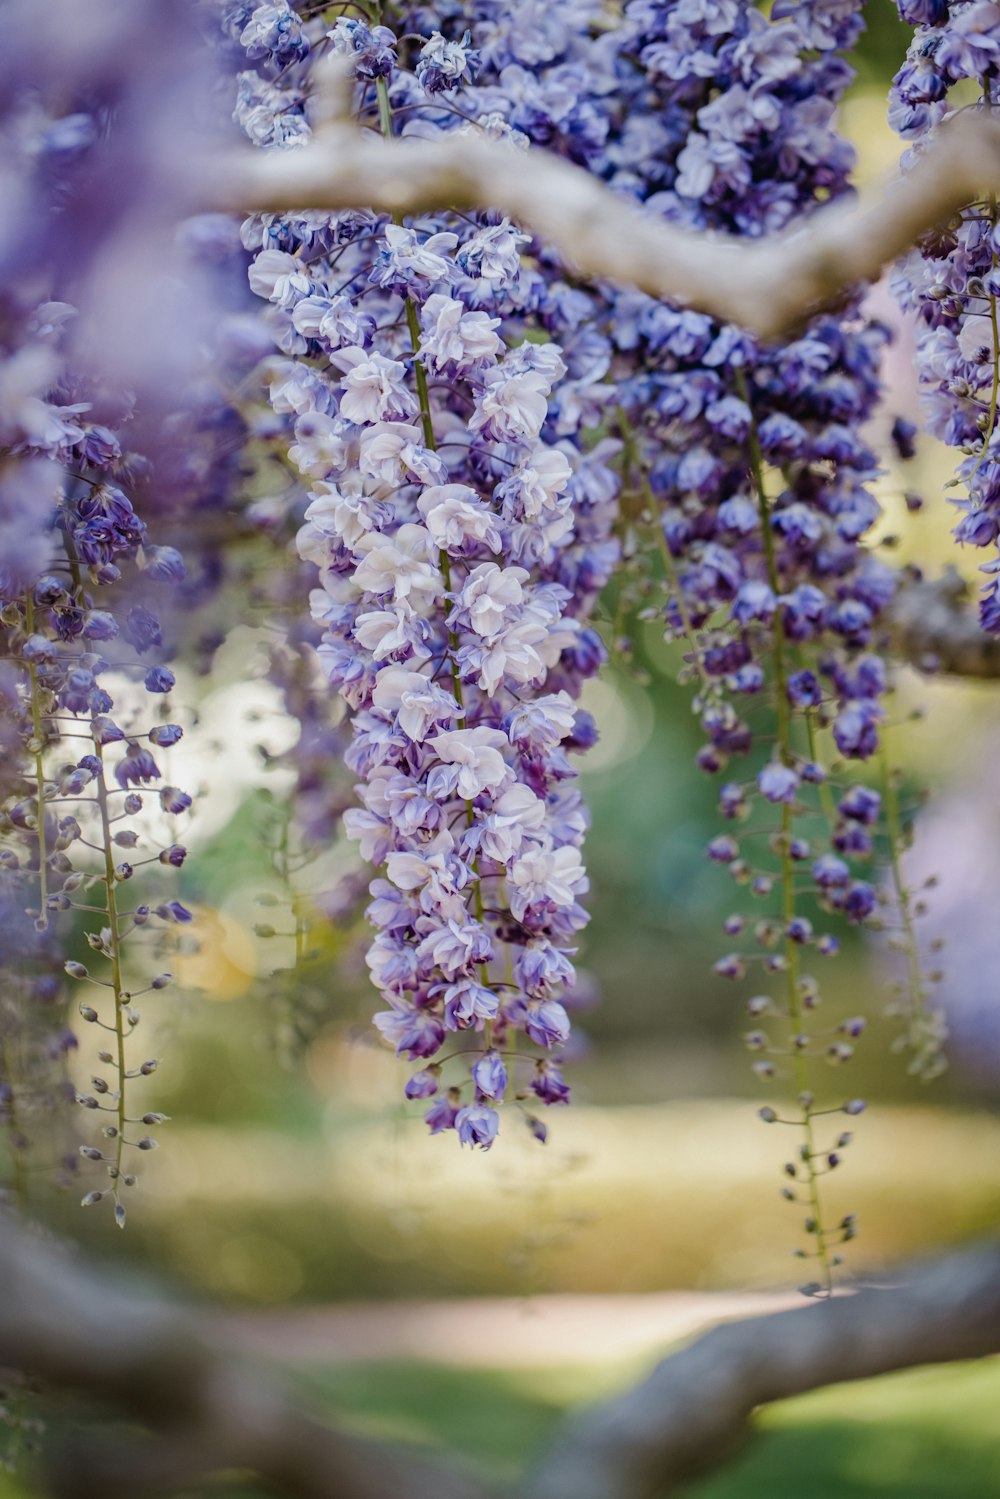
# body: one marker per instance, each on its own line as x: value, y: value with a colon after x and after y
x: 436, y: 873
x: 489, y: 595
x: 319, y: 447
x: 477, y: 754
x: 343, y: 513
x: 383, y: 632
x: 511, y: 406
x: 414, y: 700
x: 372, y: 835
x: 336, y: 320
x: 408, y: 258
x: 557, y: 631
x: 279, y: 277
x: 541, y: 725
x: 456, y: 517
x: 373, y: 387
x: 511, y: 654
x: 400, y: 563
x: 539, y: 481
x: 517, y: 816
x: 556, y: 875
x: 295, y: 387
x: 456, y: 944
x: 455, y: 336
x: 543, y: 359
x: 391, y: 449
x: 494, y: 254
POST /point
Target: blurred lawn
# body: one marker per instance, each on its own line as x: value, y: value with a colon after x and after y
x: 682, y: 1195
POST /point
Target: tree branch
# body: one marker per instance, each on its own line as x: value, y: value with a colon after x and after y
x: 768, y: 285
x: 209, y: 1409
x: 693, y: 1409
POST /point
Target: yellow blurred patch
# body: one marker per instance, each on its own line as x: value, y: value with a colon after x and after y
x: 223, y: 965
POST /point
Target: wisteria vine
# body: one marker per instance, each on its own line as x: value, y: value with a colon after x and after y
x: 477, y: 439
x: 434, y: 445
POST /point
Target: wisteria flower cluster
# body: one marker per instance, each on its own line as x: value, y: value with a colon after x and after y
x: 461, y: 528
x: 748, y: 463
x: 78, y: 574
x: 952, y: 280
x: 443, y: 384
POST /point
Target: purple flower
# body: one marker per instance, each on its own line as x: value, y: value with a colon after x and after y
x: 778, y: 782
x: 142, y: 629
x: 159, y: 679
x: 137, y: 766
x: 548, y: 1083
x: 422, y: 1084
x: 490, y: 1075
x: 166, y: 734
x: 860, y: 804
x: 477, y: 1125
x: 443, y: 66
x: 443, y: 1112
x: 858, y: 901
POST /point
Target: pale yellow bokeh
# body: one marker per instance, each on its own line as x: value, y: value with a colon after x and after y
x: 223, y: 964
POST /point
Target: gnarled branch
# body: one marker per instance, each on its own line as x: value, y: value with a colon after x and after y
x: 209, y: 1409
x: 768, y: 285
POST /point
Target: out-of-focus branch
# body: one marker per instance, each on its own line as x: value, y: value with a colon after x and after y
x: 768, y: 285
x: 693, y: 1409
x: 208, y: 1409
x: 932, y: 626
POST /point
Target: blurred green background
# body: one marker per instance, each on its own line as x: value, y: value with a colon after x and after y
x: 290, y: 1173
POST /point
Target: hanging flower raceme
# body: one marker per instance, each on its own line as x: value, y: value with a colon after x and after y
x: 952, y: 280
x: 440, y: 386
x: 80, y: 579
x: 746, y: 459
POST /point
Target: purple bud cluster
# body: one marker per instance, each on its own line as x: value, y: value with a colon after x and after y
x: 952, y: 281
x: 749, y: 459
x: 80, y: 584
x: 742, y: 112
x: 752, y: 452
x: 440, y: 385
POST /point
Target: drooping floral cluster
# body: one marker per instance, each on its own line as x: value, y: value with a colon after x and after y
x: 441, y: 385
x: 72, y: 784
x: 747, y: 463
x: 952, y: 281
x: 746, y: 107
x: 78, y: 577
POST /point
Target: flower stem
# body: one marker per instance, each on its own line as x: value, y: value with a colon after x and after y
x: 791, y: 952
x: 117, y: 985
x: 38, y: 746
